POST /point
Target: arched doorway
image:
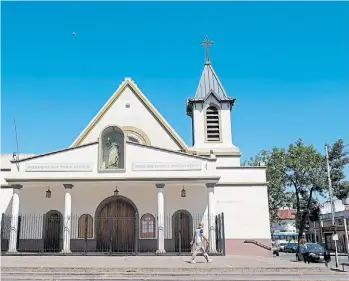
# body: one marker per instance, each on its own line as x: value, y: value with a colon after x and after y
x: 182, y: 230
x: 53, y: 227
x: 116, y: 224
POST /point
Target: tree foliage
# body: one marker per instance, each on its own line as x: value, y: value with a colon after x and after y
x: 338, y: 159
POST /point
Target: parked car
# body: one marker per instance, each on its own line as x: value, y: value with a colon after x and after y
x: 290, y: 247
x: 282, y: 246
x: 316, y: 253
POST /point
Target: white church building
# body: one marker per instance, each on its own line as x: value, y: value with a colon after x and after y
x: 130, y: 184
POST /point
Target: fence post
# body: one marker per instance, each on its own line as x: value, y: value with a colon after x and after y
x: 180, y: 234
x: 218, y: 234
x: 137, y: 233
x: 85, y: 234
x: 2, y: 231
x: 223, y: 233
x: 110, y: 235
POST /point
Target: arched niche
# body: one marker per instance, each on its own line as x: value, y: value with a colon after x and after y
x: 111, y: 150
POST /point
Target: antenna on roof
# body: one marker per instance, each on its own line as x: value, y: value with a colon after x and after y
x: 16, y: 154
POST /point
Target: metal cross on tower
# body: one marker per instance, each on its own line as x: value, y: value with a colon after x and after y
x: 207, y: 44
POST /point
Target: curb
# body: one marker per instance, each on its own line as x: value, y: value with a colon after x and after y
x: 129, y: 271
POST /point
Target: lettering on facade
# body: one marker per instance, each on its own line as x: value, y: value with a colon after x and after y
x: 149, y: 166
x: 59, y: 167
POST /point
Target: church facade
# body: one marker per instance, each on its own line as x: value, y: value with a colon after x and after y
x: 129, y: 184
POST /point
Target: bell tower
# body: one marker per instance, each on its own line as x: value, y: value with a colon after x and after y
x: 210, y: 111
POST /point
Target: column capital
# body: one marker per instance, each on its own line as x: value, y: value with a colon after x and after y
x: 68, y: 186
x: 16, y: 186
x: 160, y: 185
x: 210, y: 184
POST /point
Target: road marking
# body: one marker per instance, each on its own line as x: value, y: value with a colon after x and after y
x: 228, y: 265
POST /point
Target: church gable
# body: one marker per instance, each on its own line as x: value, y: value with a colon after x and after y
x: 130, y: 110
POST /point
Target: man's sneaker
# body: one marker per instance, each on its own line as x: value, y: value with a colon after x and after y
x: 209, y: 260
x: 193, y: 262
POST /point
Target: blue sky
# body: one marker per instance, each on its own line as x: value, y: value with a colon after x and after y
x: 285, y: 63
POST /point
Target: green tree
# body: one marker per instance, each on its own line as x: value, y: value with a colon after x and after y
x: 338, y: 159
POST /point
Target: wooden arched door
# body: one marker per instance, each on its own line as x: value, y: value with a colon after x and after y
x: 182, y: 230
x: 116, y: 221
x: 53, y: 225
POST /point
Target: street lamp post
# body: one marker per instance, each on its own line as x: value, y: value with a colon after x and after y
x: 331, y: 200
x: 345, y: 202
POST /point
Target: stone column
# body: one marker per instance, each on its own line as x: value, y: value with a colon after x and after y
x: 161, y: 219
x: 14, y: 219
x: 211, y: 217
x: 67, y: 219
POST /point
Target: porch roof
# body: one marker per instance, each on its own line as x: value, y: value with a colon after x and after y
x: 193, y: 180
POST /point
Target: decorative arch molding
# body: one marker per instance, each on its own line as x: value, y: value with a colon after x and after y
x: 111, y: 149
x: 212, y: 112
x: 114, y: 198
x: 138, y: 132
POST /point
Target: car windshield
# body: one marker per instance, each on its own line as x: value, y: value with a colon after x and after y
x: 291, y: 245
x: 314, y: 247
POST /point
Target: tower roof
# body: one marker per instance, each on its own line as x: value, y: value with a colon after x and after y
x: 210, y: 84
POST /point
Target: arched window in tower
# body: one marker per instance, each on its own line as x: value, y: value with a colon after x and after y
x: 212, y: 124
x: 112, y: 149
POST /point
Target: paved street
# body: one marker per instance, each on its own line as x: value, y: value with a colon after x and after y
x: 287, y: 256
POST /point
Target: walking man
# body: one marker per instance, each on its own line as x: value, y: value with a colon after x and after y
x: 197, y: 243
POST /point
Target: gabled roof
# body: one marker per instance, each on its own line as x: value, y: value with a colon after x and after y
x: 129, y: 83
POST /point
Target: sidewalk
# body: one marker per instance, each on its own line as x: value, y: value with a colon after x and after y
x: 152, y: 264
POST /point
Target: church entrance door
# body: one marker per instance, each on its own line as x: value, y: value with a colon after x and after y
x: 52, y: 231
x: 183, y: 226
x: 116, y: 222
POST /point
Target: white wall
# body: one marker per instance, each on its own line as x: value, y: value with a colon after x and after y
x: 225, y: 161
x: 5, y: 193
x: 246, y: 211
x: 338, y: 207
x: 136, y: 115
x: 242, y: 174
x: 134, y: 153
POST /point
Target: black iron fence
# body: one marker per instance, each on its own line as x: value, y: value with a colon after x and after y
x: 119, y: 234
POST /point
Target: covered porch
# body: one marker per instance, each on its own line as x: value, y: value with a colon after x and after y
x: 110, y: 215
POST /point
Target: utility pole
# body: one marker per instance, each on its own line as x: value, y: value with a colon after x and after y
x: 331, y: 200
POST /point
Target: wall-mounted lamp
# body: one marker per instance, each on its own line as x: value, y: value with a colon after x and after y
x: 183, y: 192
x: 116, y: 192
x: 48, y: 193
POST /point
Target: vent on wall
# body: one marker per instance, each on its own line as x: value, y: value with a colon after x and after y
x: 212, y: 124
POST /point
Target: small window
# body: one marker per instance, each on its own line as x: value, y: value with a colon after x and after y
x: 212, y: 124
x: 147, y: 226
x: 85, y: 226
x: 133, y: 139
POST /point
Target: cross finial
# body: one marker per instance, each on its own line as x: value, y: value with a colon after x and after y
x: 207, y: 44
